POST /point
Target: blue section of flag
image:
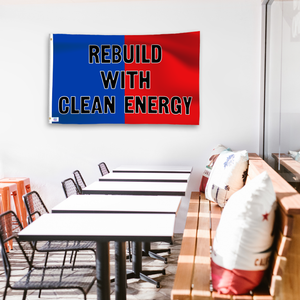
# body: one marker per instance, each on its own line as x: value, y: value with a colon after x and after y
x: 74, y: 76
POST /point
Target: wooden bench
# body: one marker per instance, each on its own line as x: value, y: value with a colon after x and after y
x: 282, y: 279
x: 289, y: 169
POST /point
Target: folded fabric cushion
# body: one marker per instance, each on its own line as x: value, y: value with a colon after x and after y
x: 228, y: 175
x: 244, y: 237
x: 212, y: 158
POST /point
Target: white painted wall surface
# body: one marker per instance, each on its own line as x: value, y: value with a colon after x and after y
x: 229, y: 89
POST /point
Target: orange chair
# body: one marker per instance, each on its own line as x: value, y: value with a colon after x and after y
x: 7, y: 190
x: 23, y: 186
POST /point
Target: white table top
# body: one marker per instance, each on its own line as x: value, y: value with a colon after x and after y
x: 151, y: 177
x: 101, y: 227
x: 154, y: 169
x: 118, y: 204
x: 136, y: 188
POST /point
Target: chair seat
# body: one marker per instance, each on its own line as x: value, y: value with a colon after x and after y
x: 81, y: 277
x: 67, y: 246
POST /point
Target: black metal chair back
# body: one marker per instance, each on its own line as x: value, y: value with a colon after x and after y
x: 70, y: 188
x: 103, y: 168
x: 10, y: 226
x: 79, y: 180
x: 34, y: 205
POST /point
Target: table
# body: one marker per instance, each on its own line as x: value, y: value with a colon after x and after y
x: 136, y: 188
x: 125, y: 204
x: 108, y: 227
x: 150, y: 177
x: 290, y: 170
x: 139, y: 188
x: 153, y: 169
x: 119, y: 204
x: 288, y: 162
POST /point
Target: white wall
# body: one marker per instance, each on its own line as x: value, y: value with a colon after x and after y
x: 229, y: 89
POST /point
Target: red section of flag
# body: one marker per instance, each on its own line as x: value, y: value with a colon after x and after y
x: 173, y: 96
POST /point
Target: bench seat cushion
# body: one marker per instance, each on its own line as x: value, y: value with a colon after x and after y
x: 243, y: 243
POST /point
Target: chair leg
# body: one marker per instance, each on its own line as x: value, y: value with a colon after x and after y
x: 75, y: 255
x: 63, y: 264
x: 24, y: 295
x: 32, y: 255
x: 46, y: 259
x: 5, y: 291
x: 45, y: 264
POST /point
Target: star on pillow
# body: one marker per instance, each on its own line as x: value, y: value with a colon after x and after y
x: 265, y: 216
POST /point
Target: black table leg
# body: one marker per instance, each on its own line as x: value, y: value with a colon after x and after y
x: 137, y: 266
x: 103, y: 271
x: 137, y: 258
x: 153, y: 253
x: 120, y: 270
x: 136, y: 271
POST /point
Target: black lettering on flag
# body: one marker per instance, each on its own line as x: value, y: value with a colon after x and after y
x: 163, y: 104
x: 131, y: 78
x: 187, y: 101
x: 63, y: 108
x: 145, y: 60
x: 140, y: 105
x: 156, y: 54
x: 125, y: 54
x: 109, y: 104
x: 83, y: 104
x: 73, y: 106
x: 128, y: 105
x: 151, y: 105
x: 109, y: 79
x: 94, y: 53
x: 122, y: 84
x: 137, y: 54
x: 96, y: 105
x: 116, y: 54
x: 104, y: 54
x: 176, y: 105
x: 145, y: 80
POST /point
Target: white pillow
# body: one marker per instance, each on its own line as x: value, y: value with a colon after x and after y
x: 228, y: 175
x: 295, y: 155
x: 243, y: 241
x: 212, y: 158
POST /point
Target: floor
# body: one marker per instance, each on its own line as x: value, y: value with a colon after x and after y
x: 137, y: 289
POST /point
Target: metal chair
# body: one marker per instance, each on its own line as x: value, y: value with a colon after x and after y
x: 79, y: 180
x: 37, y: 278
x: 35, y: 208
x: 103, y: 168
x: 70, y: 188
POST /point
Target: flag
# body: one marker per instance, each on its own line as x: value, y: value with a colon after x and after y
x: 125, y: 79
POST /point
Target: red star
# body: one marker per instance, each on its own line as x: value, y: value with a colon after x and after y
x: 265, y: 216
